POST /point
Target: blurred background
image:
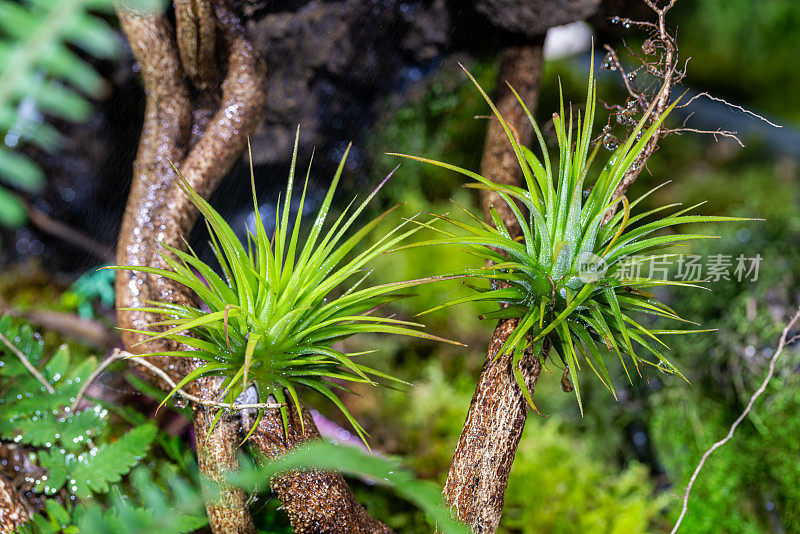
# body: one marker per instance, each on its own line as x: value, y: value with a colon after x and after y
x: 385, y: 76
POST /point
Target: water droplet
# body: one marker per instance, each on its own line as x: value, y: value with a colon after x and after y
x: 608, y: 62
x: 610, y: 142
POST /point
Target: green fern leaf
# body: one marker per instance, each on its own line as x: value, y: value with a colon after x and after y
x: 93, y: 470
x: 55, y: 461
x: 152, y: 508
x: 41, y: 74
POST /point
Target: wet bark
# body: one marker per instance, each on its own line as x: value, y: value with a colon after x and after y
x: 14, y: 511
x: 203, y: 131
x: 216, y: 457
x: 316, y: 501
x: 477, y: 479
x: 182, y: 125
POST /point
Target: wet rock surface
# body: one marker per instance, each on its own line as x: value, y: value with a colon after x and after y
x: 331, y: 65
x: 535, y: 18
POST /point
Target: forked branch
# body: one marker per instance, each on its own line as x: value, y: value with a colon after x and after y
x: 649, y: 87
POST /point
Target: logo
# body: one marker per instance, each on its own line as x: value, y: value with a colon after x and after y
x: 591, y: 267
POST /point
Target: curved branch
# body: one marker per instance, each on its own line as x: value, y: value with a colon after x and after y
x: 158, y: 212
x: 167, y: 123
x: 667, y: 71
x: 204, y: 143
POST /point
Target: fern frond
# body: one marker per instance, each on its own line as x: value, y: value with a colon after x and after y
x: 42, y: 76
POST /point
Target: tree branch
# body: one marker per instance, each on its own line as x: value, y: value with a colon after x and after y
x: 28, y: 365
x: 664, y: 69
x: 478, y: 476
x: 158, y: 212
x: 203, y: 143
x: 14, y: 510
x: 316, y: 501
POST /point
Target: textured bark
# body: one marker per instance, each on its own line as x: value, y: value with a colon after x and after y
x: 476, y: 483
x: 184, y: 125
x: 316, y: 501
x: 477, y: 480
x: 195, y: 28
x: 14, y: 511
x: 216, y: 456
x: 204, y: 140
x: 521, y: 67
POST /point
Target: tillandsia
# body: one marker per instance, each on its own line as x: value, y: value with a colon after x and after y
x: 564, y: 278
x: 273, y: 317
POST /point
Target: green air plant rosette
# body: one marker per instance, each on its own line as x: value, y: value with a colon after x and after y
x: 274, y: 316
x: 542, y: 278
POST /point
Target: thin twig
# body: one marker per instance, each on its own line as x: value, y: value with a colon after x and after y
x: 665, y: 70
x: 121, y: 354
x: 740, y: 108
x: 713, y: 133
x: 781, y: 345
x: 92, y: 377
x: 28, y: 365
x: 58, y: 229
x: 617, y: 64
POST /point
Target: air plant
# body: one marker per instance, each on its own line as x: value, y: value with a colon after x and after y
x: 274, y: 316
x: 559, y: 279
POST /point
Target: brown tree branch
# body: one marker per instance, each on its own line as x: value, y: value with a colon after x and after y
x: 521, y: 67
x: 316, y: 501
x: 216, y: 457
x: 14, y: 510
x: 158, y: 212
x: 478, y: 476
x: 204, y: 142
x: 665, y: 70
x: 195, y: 28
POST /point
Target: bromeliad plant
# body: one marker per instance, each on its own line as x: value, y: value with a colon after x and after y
x: 559, y: 279
x: 272, y: 319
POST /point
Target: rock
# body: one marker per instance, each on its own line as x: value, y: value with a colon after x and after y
x: 535, y: 17
x: 331, y: 67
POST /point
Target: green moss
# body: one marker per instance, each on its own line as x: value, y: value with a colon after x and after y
x: 558, y: 486
x: 749, y: 485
